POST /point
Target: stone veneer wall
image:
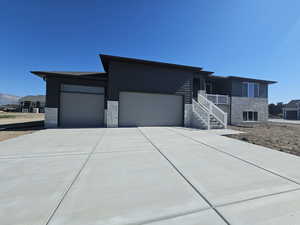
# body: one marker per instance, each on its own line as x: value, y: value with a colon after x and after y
x: 51, y: 117
x: 188, y: 115
x: 112, y: 119
x: 241, y: 104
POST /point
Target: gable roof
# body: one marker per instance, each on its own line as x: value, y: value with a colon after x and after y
x: 293, y: 104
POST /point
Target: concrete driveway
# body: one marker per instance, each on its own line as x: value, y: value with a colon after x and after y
x: 153, y: 176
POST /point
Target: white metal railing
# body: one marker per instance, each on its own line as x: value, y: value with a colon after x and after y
x: 218, y: 99
x: 202, y: 113
x: 213, y: 110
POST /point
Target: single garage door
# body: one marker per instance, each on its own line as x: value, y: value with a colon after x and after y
x: 147, y: 109
x: 81, y: 106
x: 291, y: 115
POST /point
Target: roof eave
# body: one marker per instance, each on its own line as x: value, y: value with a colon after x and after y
x: 44, y: 74
x: 106, y: 59
x: 253, y: 79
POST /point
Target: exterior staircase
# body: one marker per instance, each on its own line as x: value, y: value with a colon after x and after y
x: 206, y: 115
x: 215, y: 124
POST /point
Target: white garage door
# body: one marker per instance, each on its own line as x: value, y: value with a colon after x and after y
x: 81, y: 106
x: 145, y: 109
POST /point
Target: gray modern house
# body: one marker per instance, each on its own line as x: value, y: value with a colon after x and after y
x: 291, y: 111
x: 31, y: 103
x: 135, y: 92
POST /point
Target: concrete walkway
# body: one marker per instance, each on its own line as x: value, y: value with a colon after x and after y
x: 135, y: 176
x: 285, y: 121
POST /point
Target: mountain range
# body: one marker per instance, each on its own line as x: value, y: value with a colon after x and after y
x: 8, y: 99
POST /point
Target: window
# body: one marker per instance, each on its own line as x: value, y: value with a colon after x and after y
x: 250, y: 116
x: 250, y: 90
x: 255, y: 116
x: 245, y: 116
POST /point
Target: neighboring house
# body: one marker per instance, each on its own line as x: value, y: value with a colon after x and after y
x: 291, y: 111
x: 31, y: 103
x: 134, y: 92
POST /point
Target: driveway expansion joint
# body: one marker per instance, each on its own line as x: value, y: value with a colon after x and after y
x: 258, y: 197
x: 76, y: 177
x: 41, y: 156
x: 182, y: 175
x: 172, y: 216
x: 236, y: 157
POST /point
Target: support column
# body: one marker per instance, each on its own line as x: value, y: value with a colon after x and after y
x: 51, y: 117
x: 112, y: 114
x: 202, y: 93
x: 188, y: 110
x: 105, y: 118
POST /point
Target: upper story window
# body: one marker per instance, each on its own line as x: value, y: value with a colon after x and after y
x: 250, y: 89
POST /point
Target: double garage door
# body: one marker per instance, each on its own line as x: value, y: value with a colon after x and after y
x: 81, y: 106
x: 149, y: 109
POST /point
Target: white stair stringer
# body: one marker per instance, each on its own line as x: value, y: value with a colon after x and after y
x: 206, y: 115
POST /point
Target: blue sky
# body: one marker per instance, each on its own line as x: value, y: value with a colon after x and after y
x: 257, y: 38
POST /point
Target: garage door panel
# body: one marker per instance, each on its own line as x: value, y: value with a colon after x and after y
x: 145, y: 109
x: 81, y: 110
x: 291, y: 115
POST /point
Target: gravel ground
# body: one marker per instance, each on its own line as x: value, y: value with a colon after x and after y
x: 282, y: 137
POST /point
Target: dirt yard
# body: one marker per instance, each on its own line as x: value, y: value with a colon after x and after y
x: 8, y: 134
x: 282, y: 137
x: 16, y: 117
x: 9, y: 118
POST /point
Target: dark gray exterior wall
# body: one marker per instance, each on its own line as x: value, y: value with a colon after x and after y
x: 198, y: 84
x: 220, y: 86
x: 149, y: 78
x: 52, y: 92
x: 53, y: 85
x: 237, y: 85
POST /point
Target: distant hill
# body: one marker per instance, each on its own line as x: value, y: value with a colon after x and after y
x: 8, y: 99
x: 33, y: 98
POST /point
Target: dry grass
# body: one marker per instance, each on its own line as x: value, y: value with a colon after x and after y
x: 282, y: 137
x: 16, y: 117
x: 8, y: 134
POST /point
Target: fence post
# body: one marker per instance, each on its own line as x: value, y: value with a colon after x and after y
x: 209, y: 113
x: 225, y: 120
